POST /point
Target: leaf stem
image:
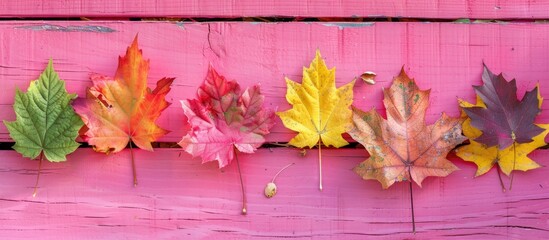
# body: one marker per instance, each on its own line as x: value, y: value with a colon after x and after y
x: 499, y: 175
x: 244, y: 207
x: 501, y: 180
x: 40, y: 157
x: 412, y: 202
x: 320, y: 163
x: 279, y: 171
x: 514, y: 165
x: 133, y: 166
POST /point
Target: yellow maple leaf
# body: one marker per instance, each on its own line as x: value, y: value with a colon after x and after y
x: 508, y: 159
x: 320, y: 112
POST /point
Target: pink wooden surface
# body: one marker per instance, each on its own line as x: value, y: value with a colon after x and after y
x: 445, y: 57
x: 443, y: 9
x: 91, y: 197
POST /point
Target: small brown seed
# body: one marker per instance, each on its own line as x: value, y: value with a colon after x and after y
x: 270, y: 190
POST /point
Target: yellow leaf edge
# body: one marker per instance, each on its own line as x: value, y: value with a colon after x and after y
x: 485, y: 158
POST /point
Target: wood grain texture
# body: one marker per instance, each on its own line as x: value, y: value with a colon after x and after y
x: 445, y: 57
x: 442, y: 9
x: 91, y: 196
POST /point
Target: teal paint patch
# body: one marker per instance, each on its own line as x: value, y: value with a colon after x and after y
x: 344, y: 25
x: 58, y: 28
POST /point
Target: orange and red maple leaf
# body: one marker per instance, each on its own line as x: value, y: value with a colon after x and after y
x: 123, y: 109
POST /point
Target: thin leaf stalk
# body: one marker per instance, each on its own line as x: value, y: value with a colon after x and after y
x: 503, y: 189
x: 134, y: 171
x: 412, y: 201
x: 244, y: 204
x: 40, y: 159
x: 320, y: 163
x: 514, y: 164
x: 279, y: 171
x: 499, y: 176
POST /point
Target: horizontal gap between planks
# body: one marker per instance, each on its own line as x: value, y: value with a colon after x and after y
x: 168, y: 145
x: 165, y: 145
x: 274, y: 19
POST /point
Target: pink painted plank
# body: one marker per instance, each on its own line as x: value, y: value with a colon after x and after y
x: 445, y: 9
x: 92, y: 196
x: 445, y: 57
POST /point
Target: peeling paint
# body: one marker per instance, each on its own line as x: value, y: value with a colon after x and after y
x: 342, y: 26
x: 58, y: 28
x: 180, y: 24
x: 377, y: 16
x: 462, y: 21
x: 489, y: 21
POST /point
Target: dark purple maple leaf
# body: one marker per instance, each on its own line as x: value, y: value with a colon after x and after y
x: 505, y: 119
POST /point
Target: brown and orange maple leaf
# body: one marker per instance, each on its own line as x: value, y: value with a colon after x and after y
x: 403, y: 148
x: 121, y: 110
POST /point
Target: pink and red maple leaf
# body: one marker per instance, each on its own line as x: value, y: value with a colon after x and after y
x: 221, y: 119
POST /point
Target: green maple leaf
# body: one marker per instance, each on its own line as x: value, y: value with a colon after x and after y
x: 46, y: 124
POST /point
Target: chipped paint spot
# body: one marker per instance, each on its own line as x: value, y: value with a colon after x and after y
x: 342, y: 26
x: 59, y: 28
x: 463, y: 20
x: 180, y: 24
